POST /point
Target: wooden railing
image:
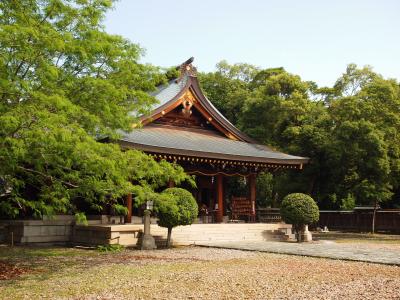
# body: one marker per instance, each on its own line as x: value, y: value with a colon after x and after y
x: 268, y: 215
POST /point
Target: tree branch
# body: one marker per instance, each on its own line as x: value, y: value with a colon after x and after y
x: 69, y: 184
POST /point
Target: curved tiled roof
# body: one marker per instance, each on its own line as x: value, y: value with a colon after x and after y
x: 168, y: 91
x: 203, y: 143
x: 198, y: 142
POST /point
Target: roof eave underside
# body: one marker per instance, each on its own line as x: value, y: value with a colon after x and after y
x: 211, y: 155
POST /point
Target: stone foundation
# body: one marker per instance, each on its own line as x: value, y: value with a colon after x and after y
x: 63, y: 230
x: 93, y: 235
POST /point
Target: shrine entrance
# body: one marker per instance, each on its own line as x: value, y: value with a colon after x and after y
x: 216, y: 205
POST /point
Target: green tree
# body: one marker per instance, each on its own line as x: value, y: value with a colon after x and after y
x: 65, y: 83
x: 349, y: 131
x: 228, y: 87
x: 175, y: 207
x: 299, y: 210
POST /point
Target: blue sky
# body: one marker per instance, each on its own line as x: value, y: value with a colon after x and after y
x: 314, y: 39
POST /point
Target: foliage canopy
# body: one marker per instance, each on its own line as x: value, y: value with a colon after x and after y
x: 349, y: 131
x: 175, y: 207
x: 65, y: 83
x: 299, y: 209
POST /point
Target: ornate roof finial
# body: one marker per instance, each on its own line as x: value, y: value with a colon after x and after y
x: 187, y: 68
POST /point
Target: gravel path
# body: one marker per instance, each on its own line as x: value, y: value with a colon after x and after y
x: 209, y: 273
x: 233, y: 274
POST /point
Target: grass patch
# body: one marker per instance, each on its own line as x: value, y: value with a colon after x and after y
x: 18, y: 252
x: 352, y: 237
x: 368, y: 241
x: 110, y: 248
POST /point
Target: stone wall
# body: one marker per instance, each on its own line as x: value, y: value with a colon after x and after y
x: 57, y: 231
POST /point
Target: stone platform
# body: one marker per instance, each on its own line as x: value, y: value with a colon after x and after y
x: 63, y: 230
x: 129, y: 234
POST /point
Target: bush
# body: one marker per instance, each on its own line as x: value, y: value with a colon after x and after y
x: 176, y: 207
x: 299, y: 210
x: 110, y: 248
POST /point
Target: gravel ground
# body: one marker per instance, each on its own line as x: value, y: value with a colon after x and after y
x: 205, y: 273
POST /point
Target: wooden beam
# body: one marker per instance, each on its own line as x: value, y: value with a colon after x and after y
x: 128, y: 202
x: 220, y: 198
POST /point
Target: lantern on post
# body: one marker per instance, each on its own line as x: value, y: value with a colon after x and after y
x: 150, y: 205
x: 148, y: 242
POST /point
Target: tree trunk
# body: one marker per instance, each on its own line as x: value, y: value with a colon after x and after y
x: 169, y: 237
x: 374, y: 216
x: 311, y: 184
x: 298, y: 231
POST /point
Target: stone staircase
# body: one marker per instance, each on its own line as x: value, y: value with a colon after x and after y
x: 203, y: 234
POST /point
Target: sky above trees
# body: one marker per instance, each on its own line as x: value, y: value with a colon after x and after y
x: 315, y: 39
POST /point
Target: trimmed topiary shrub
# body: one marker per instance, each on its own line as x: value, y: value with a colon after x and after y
x: 176, y: 207
x: 299, y: 210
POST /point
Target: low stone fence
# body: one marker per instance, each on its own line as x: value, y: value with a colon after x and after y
x: 57, y: 231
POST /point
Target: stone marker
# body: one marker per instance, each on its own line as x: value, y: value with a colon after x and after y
x: 148, y: 242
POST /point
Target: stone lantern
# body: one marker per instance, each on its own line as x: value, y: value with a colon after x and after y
x: 148, y: 242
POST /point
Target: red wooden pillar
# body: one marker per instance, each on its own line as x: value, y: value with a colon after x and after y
x: 220, y: 198
x: 128, y: 201
x: 252, y: 192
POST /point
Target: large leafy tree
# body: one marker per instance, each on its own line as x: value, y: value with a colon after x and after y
x: 349, y: 131
x: 228, y: 87
x: 65, y: 83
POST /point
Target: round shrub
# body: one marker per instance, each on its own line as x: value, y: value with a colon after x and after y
x: 186, y: 203
x: 175, y: 207
x: 299, y: 210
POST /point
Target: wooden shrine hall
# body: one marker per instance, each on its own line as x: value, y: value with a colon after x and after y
x: 186, y: 128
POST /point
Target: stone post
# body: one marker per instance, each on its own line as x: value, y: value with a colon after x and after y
x: 148, y: 242
x: 305, y: 235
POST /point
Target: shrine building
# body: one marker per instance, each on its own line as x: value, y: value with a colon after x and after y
x: 186, y: 128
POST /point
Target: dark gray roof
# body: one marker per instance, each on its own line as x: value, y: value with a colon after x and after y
x: 202, y: 143
x: 167, y: 92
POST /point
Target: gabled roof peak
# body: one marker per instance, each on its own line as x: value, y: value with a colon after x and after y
x: 186, y: 69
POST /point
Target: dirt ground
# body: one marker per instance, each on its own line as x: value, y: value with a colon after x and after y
x: 188, y: 273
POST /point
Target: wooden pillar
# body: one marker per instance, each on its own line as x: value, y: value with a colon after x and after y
x: 128, y: 202
x: 220, y: 198
x: 252, y: 195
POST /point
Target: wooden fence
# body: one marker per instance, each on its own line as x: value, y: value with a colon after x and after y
x: 387, y: 220
x: 361, y: 221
